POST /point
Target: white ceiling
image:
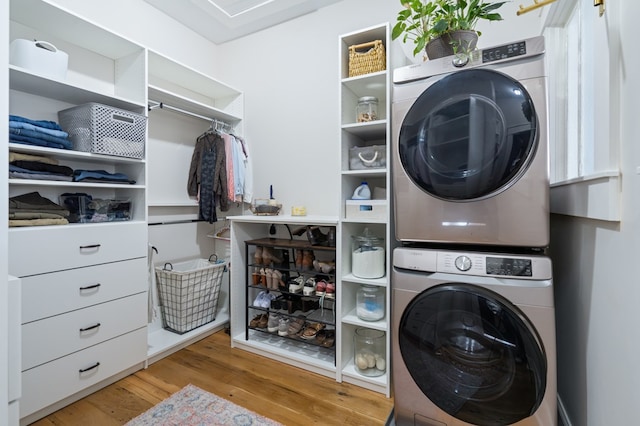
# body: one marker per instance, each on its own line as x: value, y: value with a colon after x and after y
x: 223, y: 20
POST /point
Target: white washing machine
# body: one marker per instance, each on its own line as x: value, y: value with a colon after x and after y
x: 473, y: 339
x: 470, y: 161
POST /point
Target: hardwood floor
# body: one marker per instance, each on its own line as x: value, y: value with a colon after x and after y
x: 287, y: 394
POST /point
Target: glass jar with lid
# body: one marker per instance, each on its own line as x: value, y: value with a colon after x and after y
x: 369, y: 352
x: 367, y: 109
x: 370, y: 302
x: 368, y: 256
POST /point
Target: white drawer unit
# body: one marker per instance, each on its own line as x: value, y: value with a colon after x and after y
x: 63, y: 377
x: 51, y: 294
x: 36, y: 251
x: 54, y: 337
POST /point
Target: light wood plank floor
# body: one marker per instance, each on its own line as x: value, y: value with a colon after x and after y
x: 287, y: 394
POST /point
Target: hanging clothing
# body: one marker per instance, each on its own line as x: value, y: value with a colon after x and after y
x: 208, y: 176
x: 228, y: 140
x: 247, y: 190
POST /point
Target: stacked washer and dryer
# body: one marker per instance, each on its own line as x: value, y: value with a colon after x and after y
x: 473, y: 312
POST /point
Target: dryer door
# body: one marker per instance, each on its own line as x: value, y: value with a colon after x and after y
x: 469, y: 136
x: 473, y: 354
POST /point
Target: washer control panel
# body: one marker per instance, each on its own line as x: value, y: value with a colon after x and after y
x: 473, y: 263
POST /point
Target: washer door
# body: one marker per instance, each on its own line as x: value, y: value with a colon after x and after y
x: 469, y: 136
x: 473, y: 354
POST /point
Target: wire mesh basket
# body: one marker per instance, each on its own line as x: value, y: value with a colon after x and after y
x: 188, y: 293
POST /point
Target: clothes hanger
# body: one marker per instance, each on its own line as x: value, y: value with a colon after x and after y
x: 220, y: 233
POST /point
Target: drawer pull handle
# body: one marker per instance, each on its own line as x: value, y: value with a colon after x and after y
x: 84, y: 370
x: 91, y: 327
x: 90, y: 287
x: 90, y: 246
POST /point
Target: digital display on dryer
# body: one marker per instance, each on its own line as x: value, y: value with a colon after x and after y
x: 504, y: 52
x: 508, y: 267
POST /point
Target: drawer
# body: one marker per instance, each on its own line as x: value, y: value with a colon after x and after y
x: 54, y: 337
x: 36, y: 250
x: 51, y: 294
x: 56, y: 380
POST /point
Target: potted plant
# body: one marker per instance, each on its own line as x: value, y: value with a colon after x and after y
x: 443, y: 27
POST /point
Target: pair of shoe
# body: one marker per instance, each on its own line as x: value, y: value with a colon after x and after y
x: 326, y: 338
x: 296, y: 285
x: 273, y: 322
x: 283, y: 326
x: 309, y: 288
x: 266, y: 256
x: 325, y: 267
x: 326, y: 289
x: 304, y: 259
x: 311, y: 330
x: 259, y: 321
x: 263, y: 299
x: 295, y: 326
x: 273, y: 279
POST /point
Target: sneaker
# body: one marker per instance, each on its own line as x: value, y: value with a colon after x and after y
x: 283, y: 327
x: 273, y: 323
x: 259, y: 299
x: 309, y: 287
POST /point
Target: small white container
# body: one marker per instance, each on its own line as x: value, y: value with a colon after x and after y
x: 40, y: 57
x: 368, y: 256
x: 366, y: 209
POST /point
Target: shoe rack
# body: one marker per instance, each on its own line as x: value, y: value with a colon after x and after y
x: 374, y: 217
x: 284, y: 298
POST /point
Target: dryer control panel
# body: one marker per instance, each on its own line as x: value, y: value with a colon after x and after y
x: 504, y: 52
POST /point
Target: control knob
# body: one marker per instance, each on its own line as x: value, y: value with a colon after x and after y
x: 463, y: 263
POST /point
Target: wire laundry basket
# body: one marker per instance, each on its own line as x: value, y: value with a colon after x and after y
x: 188, y: 292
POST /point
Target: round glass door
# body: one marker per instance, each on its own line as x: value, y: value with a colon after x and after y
x: 469, y: 136
x: 473, y: 354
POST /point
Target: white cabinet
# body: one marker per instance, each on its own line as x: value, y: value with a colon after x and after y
x: 376, y: 216
x: 78, y: 279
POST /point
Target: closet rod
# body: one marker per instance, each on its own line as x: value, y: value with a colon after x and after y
x: 162, y: 105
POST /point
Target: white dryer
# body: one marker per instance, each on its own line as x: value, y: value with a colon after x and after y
x: 470, y: 162
x: 473, y: 339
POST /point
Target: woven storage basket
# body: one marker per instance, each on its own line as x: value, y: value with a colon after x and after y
x: 103, y: 129
x: 366, y: 58
x: 188, y: 293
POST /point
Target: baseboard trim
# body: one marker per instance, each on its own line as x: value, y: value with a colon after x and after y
x: 563, y: 417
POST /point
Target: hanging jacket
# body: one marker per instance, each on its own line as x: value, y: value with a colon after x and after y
x: 208, y: 175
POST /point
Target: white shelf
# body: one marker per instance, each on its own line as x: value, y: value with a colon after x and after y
x: 28, y: 82
x: 162, y: 343
x: 157, y: 94
x: 378, y: 383
x: 69, y: 154
x: 352, y: 318
x: 367, y: 130
x: 300, y: 354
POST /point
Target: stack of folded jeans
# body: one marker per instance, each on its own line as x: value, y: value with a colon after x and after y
x: 38, y: 132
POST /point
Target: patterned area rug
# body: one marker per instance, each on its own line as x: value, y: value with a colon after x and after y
x: 194, y: 406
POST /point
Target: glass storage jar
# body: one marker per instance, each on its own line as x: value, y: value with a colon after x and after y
x: 367, y: 109
x: 369, y: 352
x: 368, y: 256
x: 370, y: 302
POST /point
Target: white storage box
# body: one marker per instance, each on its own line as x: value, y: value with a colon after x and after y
x: 40, y: 57
x: 366, y: 209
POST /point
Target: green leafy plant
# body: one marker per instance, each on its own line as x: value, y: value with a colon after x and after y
x: 422, y: 21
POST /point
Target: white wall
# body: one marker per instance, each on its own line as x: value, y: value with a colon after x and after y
x: 595, y: 262
x: 289, y: 74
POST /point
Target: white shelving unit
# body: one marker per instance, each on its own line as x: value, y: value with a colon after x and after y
x: 89, y: 276
x: 353, y: 133
x: 183, y: 103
